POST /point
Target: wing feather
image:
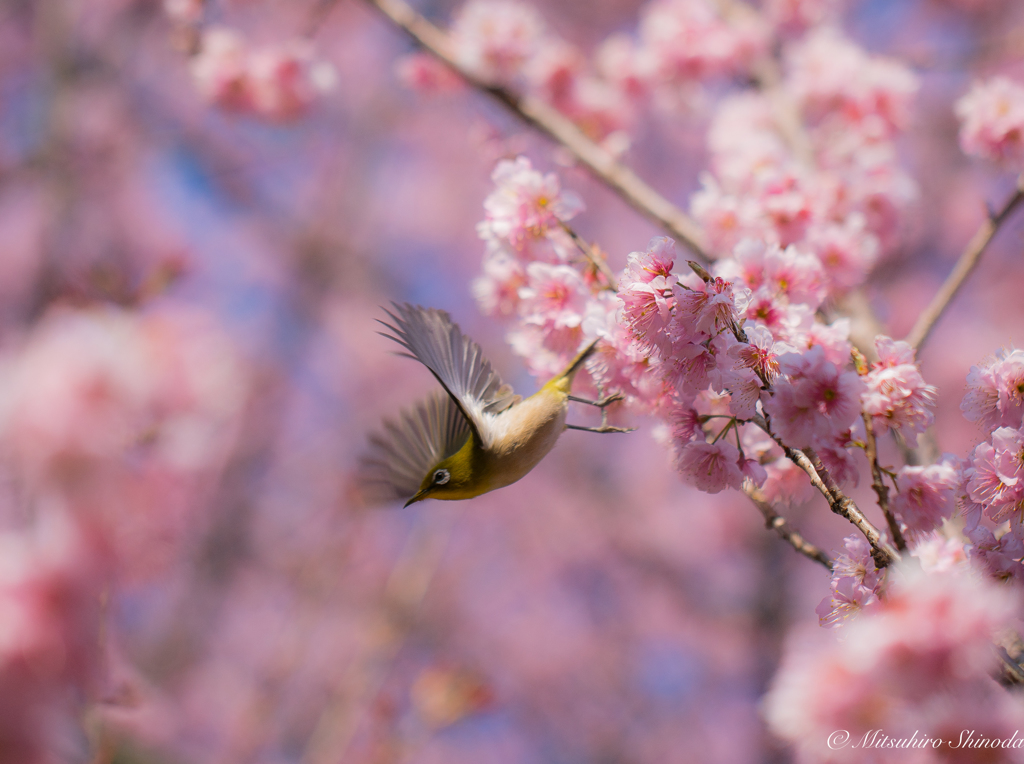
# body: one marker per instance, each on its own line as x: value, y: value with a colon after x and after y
x: 433, y: 339
x: 410, y: 446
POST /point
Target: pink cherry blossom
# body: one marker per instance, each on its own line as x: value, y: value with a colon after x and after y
x: 725, y: 217
x: 999, y: 557
x: 691, y: 366
x: 554, y: 72
x: 497, y: 290
x: 761, y: 353
x: 906, y: 664
x: 547, y: 349
x: 691, y: 41
x: 995, y: 479
x: 646, y: 293
x: 112, y: 381
x: 938, y: 553
x: 710, y: 467
x: 992, y: 121
x: 846, y: 252
x: 836, y: 455
x: 897, y: 397
x: 926, y: 495
x: 995, y: 391
x: 710, y: 307
x: 81, y: 388
x: 830, y: 75
x: 796, y: 275
x: 745, y: 144
x: 630, y: 68
x: 525, y: 209
x: 816, y: 402
x: 833, y: 339
x: 277, y: 82
x: 285, y: 80
x: 554, y: 295
x: 785, y: 206
x: 495, y: 38
x: 50, y: 651
x: 856, y: 583
x: 220, y: 69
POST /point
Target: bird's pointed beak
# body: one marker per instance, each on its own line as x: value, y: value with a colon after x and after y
x: 420, y: 496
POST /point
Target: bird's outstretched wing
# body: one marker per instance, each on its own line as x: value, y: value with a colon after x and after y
x: 433, y: 339
x: 409, y: 447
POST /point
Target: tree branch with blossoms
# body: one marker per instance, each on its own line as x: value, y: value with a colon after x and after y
x: 623, y: 181
x: 678, y: 328
x: 776, y: 522
x: 963, y: 268
x: 745, y: 361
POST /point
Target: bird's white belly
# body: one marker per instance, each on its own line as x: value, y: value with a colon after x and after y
x: 523, y: 435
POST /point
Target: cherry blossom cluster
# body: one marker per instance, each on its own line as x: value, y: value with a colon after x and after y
x: 856, y: 583
x: 277, y: 82
x: 915, y: 665
x: 992, y: 122
x: 112, y: 420
x: 897, y: 397
x: 708, y: 353
x: 829, y: 182
x: 993, y: 478
x: 51, y: 578
x: 532, y: 267
x: 678, y: 45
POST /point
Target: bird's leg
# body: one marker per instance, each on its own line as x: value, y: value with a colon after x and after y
x: 600, y: 402
x: 602, y: 428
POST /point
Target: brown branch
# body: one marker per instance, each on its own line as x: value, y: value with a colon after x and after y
x: 871, y: 452
x: 881, y: 550
x: 878, y: 482
x: 963, y: 268
x: 838, y: 502
x: 627, y: 184
x: 774, y: 521
x: 636, y: 193
x: 599, y: 263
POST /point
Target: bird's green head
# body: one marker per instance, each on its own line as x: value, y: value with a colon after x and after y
x: 452, y: 478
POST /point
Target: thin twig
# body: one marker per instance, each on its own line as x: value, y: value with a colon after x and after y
x: 634, y: 191
x: 871, y: 452
x: 600, y: 263
x: 776, y: 522
x: 878, y: 482
x: 963, y: 268
x: 549, y: 120
x: 882, y: 551
x: 838, y: 502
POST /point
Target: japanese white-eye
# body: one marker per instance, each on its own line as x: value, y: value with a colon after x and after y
x: 476, y: 437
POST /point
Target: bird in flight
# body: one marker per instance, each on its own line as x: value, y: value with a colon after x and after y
x: 475, y: 436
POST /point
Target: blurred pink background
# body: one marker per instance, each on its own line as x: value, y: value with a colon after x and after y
x: 597, y: 611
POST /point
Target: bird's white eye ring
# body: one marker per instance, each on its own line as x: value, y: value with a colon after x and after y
x: 441, y: 477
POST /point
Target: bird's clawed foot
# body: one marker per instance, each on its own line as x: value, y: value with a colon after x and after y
x: 602, y: 428
x: 600, y: 402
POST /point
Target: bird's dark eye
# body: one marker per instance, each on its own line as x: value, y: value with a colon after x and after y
x: 441, y: 477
